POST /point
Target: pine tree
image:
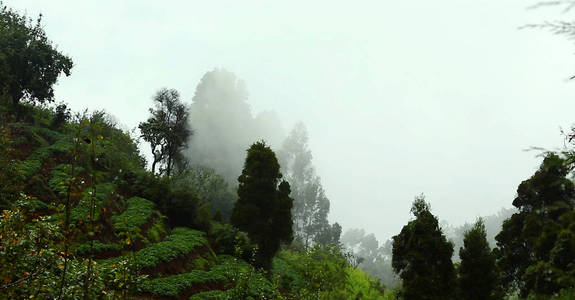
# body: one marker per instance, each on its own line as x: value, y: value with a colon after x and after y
x: 263, y: 209
x: 422, y: 257
x: 478, y: 278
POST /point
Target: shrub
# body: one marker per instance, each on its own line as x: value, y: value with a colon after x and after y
x: 172, y: 286
x: 181, y: 242
x: 98, y: 247
x: 137, y: 214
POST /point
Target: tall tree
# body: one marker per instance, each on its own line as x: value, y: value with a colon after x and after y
x: 311, y: 205
x: 166, y: 130
x: 29, y: 63
x: 263, y: 208
x: 422, y: 257
x: 535, y: 247
x: 478, y: 276
x: 224, y: 125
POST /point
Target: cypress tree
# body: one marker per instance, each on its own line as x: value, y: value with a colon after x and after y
x: 422, y: 257
x: 477, y: 272
x: 263, y: 209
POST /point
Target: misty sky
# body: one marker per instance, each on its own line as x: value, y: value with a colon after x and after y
x: 399, y: 97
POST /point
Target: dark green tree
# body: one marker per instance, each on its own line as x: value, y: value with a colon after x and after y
x: 422, y: 257
x: 534, y: 248
x: 166, y: 130
x: 263, y: 208
x: 29, y: 63
x: 478, y: 277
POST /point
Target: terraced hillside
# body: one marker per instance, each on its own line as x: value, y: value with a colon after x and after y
x: 82, y: 174
x: 82, y: 217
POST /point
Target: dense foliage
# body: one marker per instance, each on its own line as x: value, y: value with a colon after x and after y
x: 29, y: 63
x: 166, y: 130
x: 422, y: 257
x: 81, y: 217
x: 536, y: 247
x: 263, y: 209
x: 478, y: 276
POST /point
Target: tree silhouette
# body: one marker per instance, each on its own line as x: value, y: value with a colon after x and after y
x: 422, y: 257
x: 263, y: 209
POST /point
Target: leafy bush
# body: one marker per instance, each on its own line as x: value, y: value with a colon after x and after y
x: 184, y: 208
x: 229, y: 240
x: 212, y: 295
x: 211, y: 187
x: 181, y: 242
x: 98, y: 247
x: 137, y: 214
x: 179, y: 204
x: 157, y: 232
x: 315, y: 272
x: 33, y: 163
x: 246, y: 282
x: 81, y: 212
x: 249, y: 283
x: 172, y: 286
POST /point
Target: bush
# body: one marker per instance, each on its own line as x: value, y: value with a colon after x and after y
x: 181, y: 242
x: 137, y: 214
x: 98, y: 247
x: 172, y: 286
x: 227, y: 239
x: 184, y: 209
x: 179, y: 204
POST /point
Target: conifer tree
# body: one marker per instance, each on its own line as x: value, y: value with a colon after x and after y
x: 263, y: 209
x: 422, y: 257
x: 535, y: 248
x: 477, y: 272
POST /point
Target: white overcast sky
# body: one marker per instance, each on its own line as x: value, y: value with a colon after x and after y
x: 399, y: 97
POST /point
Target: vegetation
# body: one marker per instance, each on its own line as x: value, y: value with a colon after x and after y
x: 82, y: 217
x: 182, y: 241
x: 138, y: 213
x: 166, y: 130
x: 536, y: 245
x: 263, y: 209
x: 29, y: 63
x: 371, y: 256
x: 311, y: 205
x: 422, y: 257
x: 478, y: 277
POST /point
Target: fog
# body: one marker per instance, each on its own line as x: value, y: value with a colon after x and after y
x: 399, y: 97
x: 224, y: 127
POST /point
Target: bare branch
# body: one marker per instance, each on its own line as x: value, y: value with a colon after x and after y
x: 568, y: 3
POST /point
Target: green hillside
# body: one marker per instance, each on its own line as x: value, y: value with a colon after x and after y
x: 81, y: 206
